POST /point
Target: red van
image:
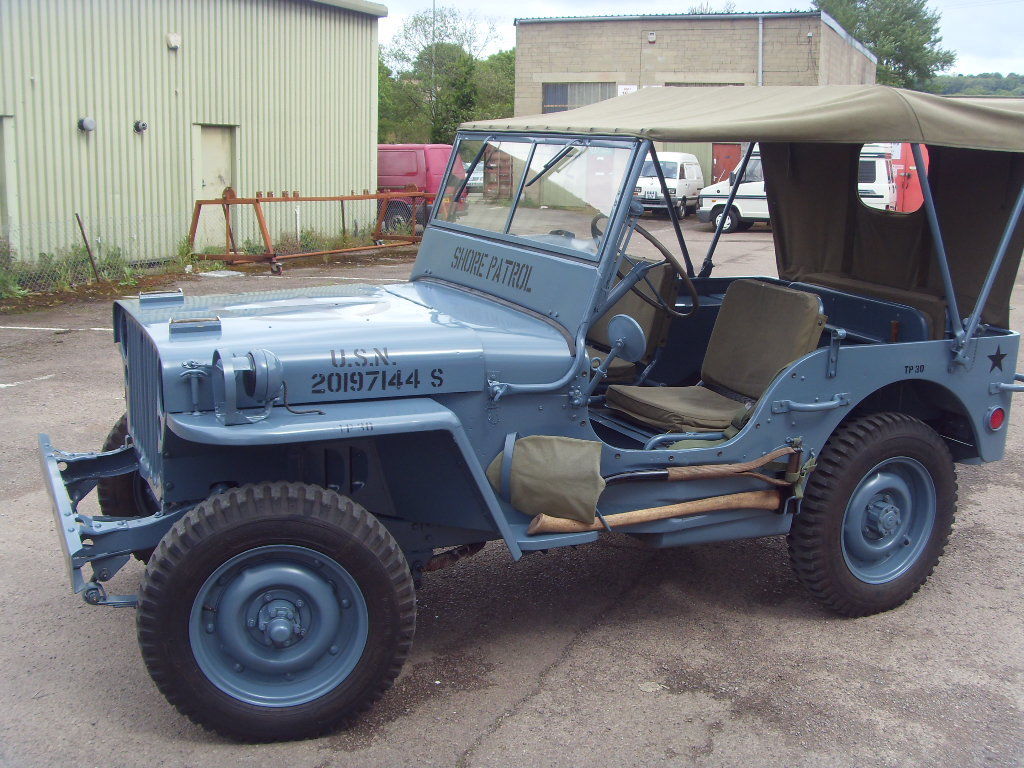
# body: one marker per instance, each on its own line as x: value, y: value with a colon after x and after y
x: 400, y: 166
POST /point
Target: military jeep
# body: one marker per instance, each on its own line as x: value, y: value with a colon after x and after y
x: 292, y: 463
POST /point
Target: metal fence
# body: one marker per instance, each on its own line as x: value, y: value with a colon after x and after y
x: 60, y: 255
x: 275, y: 227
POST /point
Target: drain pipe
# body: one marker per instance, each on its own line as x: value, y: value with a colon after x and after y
x: 760, y: 50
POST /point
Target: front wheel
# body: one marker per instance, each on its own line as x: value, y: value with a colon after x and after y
x: 276, y: 611
x: 126, y: 495
x: 876, y: 516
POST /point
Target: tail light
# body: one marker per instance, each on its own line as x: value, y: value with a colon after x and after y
x: 996, y: 418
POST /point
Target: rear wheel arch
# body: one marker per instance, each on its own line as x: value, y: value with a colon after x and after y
x: 934, y: 404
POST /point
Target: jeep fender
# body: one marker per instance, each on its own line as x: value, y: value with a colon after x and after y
x: 367, y: 419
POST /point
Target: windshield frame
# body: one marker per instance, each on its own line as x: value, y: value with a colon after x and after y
x: 623, y: 194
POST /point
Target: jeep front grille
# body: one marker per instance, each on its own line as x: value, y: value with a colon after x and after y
x: 143, y: 393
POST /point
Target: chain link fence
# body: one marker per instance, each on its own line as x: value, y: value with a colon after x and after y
x: 52, y: 255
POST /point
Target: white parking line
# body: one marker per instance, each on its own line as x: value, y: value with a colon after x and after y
x: 47, y: 328
x: 36, y: 378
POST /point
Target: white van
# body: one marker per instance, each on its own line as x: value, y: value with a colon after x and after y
x: 749, y: 206
x: 683, y: 177
x: 875, y: 183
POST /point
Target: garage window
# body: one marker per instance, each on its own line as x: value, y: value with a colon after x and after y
x: 559, y: 97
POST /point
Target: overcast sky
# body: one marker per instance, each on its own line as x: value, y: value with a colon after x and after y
x: 987, y: 35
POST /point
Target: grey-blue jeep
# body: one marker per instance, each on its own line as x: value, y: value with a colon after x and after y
x: 292, y: 463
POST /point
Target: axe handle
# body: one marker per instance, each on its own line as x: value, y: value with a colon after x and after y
x: 746, y: 500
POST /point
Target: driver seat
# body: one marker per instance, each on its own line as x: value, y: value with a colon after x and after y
x: 654, y: 323
x: 761, y: 328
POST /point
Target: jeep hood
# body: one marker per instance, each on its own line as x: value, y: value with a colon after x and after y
x: 343, y: 342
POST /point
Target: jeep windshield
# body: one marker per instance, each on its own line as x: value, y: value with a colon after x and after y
x: 554, y: 191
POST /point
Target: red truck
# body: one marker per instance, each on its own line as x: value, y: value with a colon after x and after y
x: 404, y: 166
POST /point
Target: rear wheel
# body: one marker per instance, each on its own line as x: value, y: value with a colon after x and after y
x: 732, y: 220
x: 398, y: 218
x: 276, y: 611
x: 876, y: 515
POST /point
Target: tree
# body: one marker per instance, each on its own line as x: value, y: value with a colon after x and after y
x: 495, y: 86
x: 903, y: 34
x: 985, y: 84
x: 433, y: 81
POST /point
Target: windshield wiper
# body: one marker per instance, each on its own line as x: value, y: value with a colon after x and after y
x: 554, y: 161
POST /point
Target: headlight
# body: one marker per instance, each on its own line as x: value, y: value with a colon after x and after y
x: 257, y: 375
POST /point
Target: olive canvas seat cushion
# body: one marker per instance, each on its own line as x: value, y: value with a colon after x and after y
x: 675, y: 409
x: 761, y: 328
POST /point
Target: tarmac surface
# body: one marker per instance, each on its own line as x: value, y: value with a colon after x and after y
x: 603, y: 655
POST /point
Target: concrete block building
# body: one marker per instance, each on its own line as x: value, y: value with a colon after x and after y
x: 126, y: 112
x: 562, y: 63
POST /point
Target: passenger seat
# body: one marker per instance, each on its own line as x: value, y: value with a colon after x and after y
x: 761, y: 329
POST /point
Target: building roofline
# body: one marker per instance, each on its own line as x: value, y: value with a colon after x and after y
x: 835, y: 27
x: 825, y: 18
x: 359, y: 6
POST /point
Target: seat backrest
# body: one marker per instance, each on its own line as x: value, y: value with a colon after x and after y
x: 655, y: 323
x: 761, y: 329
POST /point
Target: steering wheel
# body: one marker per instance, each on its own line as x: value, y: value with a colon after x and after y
x: 658, y: 303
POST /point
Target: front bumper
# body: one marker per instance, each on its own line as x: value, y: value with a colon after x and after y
x: 104, y: 543
x: 703, y: 215
x: 65, y: 520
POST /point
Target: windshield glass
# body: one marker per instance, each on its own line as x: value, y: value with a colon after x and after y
x: 568, y: 185
x: 753, y: 172
x: 667, y: 167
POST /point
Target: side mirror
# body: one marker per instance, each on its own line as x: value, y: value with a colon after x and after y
x: 732, y: 178
x: 627, y: 338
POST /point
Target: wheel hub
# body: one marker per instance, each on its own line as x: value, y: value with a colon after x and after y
x: 279, y: 623
x: 883, y: 517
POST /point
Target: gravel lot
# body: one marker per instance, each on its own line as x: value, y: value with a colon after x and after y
x: 602, y: 655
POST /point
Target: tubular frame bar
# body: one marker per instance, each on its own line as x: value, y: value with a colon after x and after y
x: 952, y: 311
x: 708, y: 265
x: 673, y: 213
x: 997, y: 262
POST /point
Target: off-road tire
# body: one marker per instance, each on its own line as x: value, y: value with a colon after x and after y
x: 815, y: 540
x: 251, y: 516
x: 123, y: 495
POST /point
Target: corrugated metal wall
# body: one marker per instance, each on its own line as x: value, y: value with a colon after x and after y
x: 297, y: 79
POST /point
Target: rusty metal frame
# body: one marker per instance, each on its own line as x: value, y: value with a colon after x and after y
x: 232, y: 255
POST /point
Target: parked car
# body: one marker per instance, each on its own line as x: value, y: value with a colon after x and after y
x: 293, y: 463
x: 875, y: 185
x: 750, y: 204
x: 476, y: 178
x: 683, y: 177
x: 876, y: 181
x: 410, y: 166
